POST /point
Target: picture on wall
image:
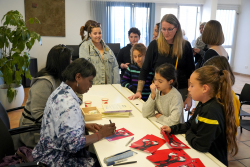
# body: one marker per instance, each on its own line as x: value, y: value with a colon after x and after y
x: 51, y: 14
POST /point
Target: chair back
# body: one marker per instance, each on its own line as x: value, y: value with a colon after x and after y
x: 7, y: 145
x: 75, y: 48
x: 245, y: 93
x: 115, y: 47
x: 4, y: 116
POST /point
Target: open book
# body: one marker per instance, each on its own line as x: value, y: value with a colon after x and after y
x: 119, y: 107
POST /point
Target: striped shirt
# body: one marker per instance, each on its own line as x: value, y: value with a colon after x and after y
x: 130, y: 80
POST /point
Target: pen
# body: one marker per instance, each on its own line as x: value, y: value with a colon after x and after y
x: 129, y: 141
x: 110, y: 121
x: 115, y: 162
x: 125, y: 163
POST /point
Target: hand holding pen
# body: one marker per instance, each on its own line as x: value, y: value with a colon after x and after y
x: 108, y: 129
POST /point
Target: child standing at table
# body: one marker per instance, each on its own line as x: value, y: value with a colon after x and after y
x: 164, y: 97
x: 212, y: 127
x: 131, y: 75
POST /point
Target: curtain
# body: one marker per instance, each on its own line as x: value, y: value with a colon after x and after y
x: 117, y: 18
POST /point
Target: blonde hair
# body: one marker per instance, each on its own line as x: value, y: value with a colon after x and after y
x: 163, y: 46
x: 221, y: 88
x: 213, y: 33
x: 140, y: 48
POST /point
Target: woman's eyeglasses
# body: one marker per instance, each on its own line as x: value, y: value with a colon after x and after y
x: 95, y: 24
x: 167, y: 30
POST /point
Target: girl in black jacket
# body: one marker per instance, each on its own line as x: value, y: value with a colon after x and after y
x: 212, y: 127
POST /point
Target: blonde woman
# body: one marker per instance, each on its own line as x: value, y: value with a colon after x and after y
x: 213, y: 36
x: 169, y: 47
x: 101, y: 56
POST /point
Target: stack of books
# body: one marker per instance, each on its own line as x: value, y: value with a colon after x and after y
x: 116, y: 110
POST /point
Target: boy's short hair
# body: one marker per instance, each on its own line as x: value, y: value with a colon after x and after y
x: 135, y: 31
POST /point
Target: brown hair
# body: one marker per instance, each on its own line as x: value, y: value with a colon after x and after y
x: 163, y: 46
x: 221, y: 62
x: 213, y: 33
x: 221, y: 88
x: 168, y: 72
x: 140, y: 48
x: 85, y: 27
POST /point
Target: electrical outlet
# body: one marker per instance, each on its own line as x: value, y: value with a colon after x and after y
x: 246, y: 67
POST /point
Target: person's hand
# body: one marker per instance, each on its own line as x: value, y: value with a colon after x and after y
x: 157, y: 115
x: 124, y: 66
x: 188, y: 103
x: 166, y: 128
x: 196, y: 50
x: 107, y: 130
x: 153, y: 88
x: 93, y: 127
x: 135, y: 96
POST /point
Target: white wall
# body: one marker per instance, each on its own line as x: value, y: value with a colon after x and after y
x: 77, y: 12
x: 209, y: 10
x: 242, y: 55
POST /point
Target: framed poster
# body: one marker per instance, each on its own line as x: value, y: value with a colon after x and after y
x: 51, y: 14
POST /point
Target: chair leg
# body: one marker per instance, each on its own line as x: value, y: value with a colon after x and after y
x: 240, y: 129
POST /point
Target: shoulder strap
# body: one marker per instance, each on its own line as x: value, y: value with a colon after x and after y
x: 176, y: 63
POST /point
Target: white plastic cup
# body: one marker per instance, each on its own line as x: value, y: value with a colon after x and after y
x: 88, y: 103
x: 105, y: 100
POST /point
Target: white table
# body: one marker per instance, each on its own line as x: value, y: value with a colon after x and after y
x: 136, y: 124
x: 206, y: 158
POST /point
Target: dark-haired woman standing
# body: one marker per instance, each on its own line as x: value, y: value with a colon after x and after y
x: 44, y: 83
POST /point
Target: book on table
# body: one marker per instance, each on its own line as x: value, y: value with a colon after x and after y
x: 118, y: 107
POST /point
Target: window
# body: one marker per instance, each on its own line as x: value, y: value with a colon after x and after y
x: 122, y: 18
x: 227, y: 20
x: 170, y: 10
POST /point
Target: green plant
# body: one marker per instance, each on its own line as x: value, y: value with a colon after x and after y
x: 14, y: 62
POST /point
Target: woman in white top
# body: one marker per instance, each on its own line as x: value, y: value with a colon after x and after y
x: 213, y: 36
x: 164, y: 97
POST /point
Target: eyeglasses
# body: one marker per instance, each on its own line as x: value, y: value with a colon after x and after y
x: 167, y: 30
x: 95, y: 24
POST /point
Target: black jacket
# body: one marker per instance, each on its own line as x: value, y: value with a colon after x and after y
x: 124, y: 57
x: 206, y: 130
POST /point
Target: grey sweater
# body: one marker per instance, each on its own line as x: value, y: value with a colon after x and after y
x: 40, y: 90
x: 169, y: 105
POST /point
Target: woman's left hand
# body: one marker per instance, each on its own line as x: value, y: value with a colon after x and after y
x: 188, y: 103
x: 93, y: 127
x: 157, y: 115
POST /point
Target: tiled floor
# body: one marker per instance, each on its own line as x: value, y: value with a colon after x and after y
x: 242, y: 159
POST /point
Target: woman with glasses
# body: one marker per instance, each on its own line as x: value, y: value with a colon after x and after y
x: 101, y: 56
x: 42, y: 85
x: 170, y: 47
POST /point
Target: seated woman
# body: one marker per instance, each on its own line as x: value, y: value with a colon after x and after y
x: 131, y: 75
x: 101, y: 56
x: 42, y: 85
x: 212, y: 127
x: 213, y: 37
x: 164, y: 97
x: 63, y: 139
x: 222, y: 63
